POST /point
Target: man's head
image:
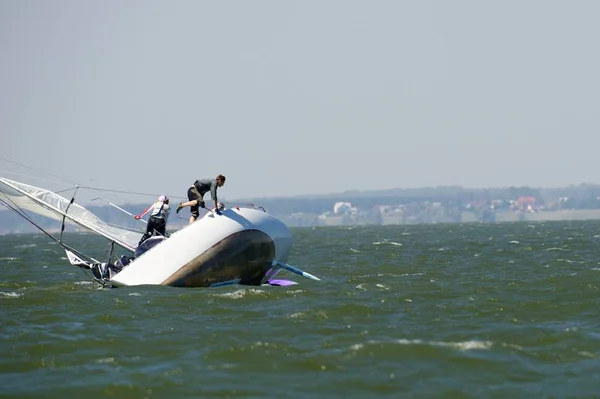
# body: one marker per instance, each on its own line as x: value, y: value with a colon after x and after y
x: 220, y: 180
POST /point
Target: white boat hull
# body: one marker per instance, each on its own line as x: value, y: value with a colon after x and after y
x: 241, y: 245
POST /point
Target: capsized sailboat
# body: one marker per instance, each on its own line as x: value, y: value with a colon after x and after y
x: 241, y: 245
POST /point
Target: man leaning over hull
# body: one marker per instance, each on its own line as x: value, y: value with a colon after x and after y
x: 196, y: 193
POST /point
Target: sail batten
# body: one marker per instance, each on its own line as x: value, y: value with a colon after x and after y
x: 51, y: 205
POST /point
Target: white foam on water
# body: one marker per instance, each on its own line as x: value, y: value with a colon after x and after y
x: 241, y: 293
x: 398, y: 275
x: 294, y: 292
x: 10, y: 294
x: 260, y: 343
x: 513, y: 346
x: 387, y: 242
x: 225, y: 366
x: 461, y: 346
x: 588, y: 354
x: 566, y: 260
x: 106, y: 360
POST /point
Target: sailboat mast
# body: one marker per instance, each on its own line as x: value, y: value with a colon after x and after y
x: 62, y: 228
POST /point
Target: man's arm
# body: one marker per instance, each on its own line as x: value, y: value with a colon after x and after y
x: 213, y: 193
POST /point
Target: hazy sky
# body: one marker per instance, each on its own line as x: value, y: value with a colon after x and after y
x: 302, y: 97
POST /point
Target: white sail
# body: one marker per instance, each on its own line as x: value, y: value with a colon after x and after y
x: 49, y: 204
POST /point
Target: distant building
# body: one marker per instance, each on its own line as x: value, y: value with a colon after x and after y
x: 342, y: 208
x: 526, y: 204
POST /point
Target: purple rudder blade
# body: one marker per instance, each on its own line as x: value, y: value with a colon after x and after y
x: 281, y: 283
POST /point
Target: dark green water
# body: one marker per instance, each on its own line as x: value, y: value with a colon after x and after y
x: 453, y: 311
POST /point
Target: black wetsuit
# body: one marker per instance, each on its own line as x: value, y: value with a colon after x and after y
x: 157, y: 222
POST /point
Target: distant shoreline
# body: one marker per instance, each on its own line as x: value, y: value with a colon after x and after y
x: 466, y: 217
x: 469, y: 217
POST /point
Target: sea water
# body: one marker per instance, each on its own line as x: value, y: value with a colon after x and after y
x: 450, y: 310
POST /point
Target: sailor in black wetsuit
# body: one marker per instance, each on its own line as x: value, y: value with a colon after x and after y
x: 196, y: 193
x: 158, y: 218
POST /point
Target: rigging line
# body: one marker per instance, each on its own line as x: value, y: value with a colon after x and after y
x: 109, y: 198
x: 66, y: 189
x: 37, y: 178
x: 29, y: 176
x: 118, y: 191
x: 125, y: 192
x: 62, y: 180
x: 106, y: 198
x: 35, y: 170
